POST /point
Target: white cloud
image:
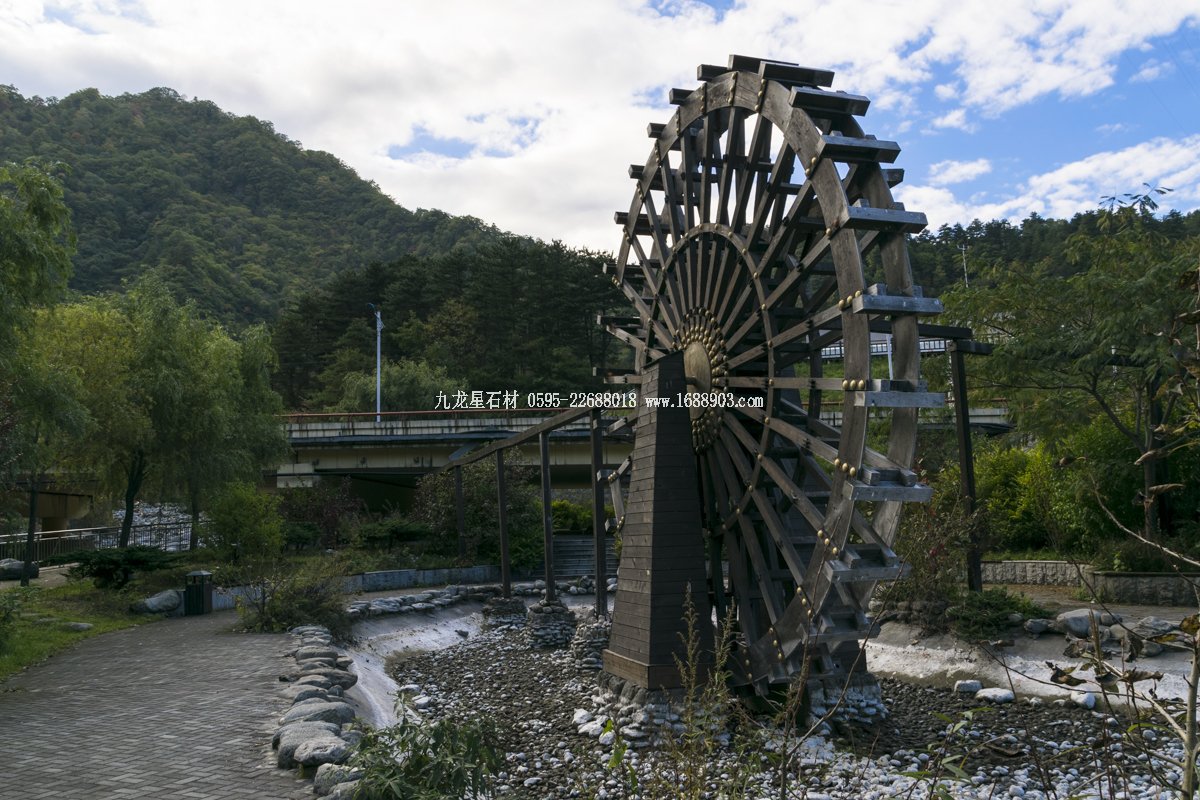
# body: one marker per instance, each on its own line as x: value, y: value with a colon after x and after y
x: 945, y: 91
x: 550, y: 98
x: 1077, y: 186
x: 944, y: 173
x: 1151, y: 70
x: 954, y: 119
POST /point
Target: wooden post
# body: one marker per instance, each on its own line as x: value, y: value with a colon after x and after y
x: 598, y: 517
x: 662, y: 544
x: 966, y: 455
x: 460, y: 513
x: 547, y: 516
x: 502, y: 496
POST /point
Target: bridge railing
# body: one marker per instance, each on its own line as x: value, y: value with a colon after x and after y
x: 170, y: 536
x: 428, y: 423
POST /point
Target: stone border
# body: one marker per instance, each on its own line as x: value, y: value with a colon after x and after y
x: 319, y: 732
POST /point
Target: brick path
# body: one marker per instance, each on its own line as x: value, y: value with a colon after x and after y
x: 173, y: 709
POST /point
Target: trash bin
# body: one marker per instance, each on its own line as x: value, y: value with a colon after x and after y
x: 198, y: 593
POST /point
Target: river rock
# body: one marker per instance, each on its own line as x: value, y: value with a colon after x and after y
x: 299, y: 692
x: 1037, y: 626
x: 344, y: 791
x: 1078, y: 622
x: 327, y: 749
x: 161, y: 603
x: 1149, y: 627
x: 78, y: 626
x: 336, y: 677
x: 11, y: 568
x: 967, y: 686
x: 318, y: 711
x: 330, y: 775
x: 995, y: 695
x: 316, y: 652
x: 291, y: 736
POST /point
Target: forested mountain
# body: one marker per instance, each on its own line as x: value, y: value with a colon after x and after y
x: 937, y: 256
x: 235, y: 214
x: 515, y: 313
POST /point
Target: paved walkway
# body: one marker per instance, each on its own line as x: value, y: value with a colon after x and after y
x: 173, y: 709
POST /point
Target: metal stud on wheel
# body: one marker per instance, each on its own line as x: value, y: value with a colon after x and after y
x: 744, y: 246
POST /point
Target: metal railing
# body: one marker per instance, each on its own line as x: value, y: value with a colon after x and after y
x: 171, y: 536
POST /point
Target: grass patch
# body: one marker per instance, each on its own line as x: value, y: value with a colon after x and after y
x: 984, y: 615
x: 38, y: 631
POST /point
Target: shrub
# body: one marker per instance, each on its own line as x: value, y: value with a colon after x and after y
x: 984, y: 615
x: 113, y: 568
x: 423, y: 761
x: 300, y: 535
x: 391, y: 531
x: 244, y: 523
x: 284, y: 598
x: 571, y: 517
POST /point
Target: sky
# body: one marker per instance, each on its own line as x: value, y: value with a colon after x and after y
x: 527, y: 114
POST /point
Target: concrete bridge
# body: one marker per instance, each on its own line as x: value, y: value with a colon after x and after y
x: 395, y: 449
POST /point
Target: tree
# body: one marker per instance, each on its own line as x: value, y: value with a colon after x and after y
x: 36, y: 243
x: 405, y: 386
x: 1086, y: 338
x: 47, y: 401
x: 169, y: 395
x: 232, y: 426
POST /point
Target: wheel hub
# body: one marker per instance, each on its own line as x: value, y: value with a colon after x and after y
x: 703, y: 347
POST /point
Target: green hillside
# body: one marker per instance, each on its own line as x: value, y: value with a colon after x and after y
x: 236, y: 214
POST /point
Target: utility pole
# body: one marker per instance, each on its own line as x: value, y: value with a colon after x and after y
x: 378, y: 350
x: 966, y: 282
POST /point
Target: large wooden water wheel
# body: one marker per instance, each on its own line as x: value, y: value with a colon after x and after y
x: 746, y: 244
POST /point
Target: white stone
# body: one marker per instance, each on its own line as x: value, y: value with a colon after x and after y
x: 592, y: 728
x: 581, y: 716
x: 995, y: 695
x: 424, y: 701
x: 1083, y: 699
x: 607, y: 738
x: 968, y: 686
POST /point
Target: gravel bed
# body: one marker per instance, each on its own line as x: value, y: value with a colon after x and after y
x: 1039, y: 752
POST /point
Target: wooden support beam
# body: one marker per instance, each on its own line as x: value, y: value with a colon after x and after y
x: 966, y: 461
x: 502, y: 496
x: 598, y: 531
x: 547, y: 516
x: 565, y: 418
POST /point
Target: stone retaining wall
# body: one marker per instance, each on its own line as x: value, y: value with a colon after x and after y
x: 1149, y: 588
x: 1042, y: 573
x: 405, y: 578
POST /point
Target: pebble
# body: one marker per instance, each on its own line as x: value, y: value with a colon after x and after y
x: 559, y: 726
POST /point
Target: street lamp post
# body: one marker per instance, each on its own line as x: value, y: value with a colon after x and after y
x: 378, y: 340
